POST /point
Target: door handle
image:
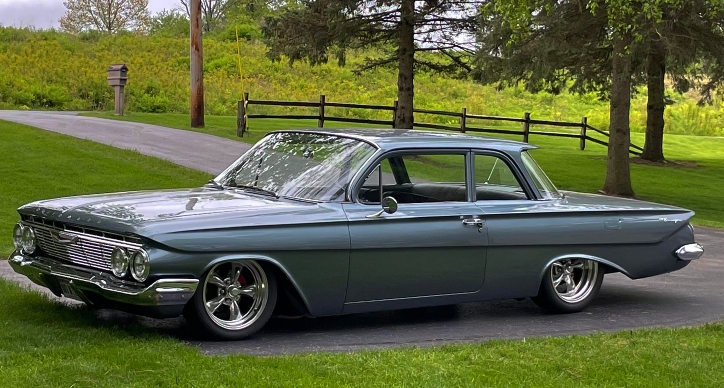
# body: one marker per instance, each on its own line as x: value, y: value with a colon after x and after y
x: 479, y: 222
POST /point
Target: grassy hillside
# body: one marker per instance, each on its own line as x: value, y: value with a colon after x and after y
x: 52, y: 70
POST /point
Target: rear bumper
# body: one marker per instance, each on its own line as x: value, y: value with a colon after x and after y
x: 690, y: 252
x: 163, y: 298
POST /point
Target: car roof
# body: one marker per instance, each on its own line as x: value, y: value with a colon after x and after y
x: 390, y: 139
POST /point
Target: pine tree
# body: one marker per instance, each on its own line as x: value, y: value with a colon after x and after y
x: 314, y: 30
x: 606, y: 46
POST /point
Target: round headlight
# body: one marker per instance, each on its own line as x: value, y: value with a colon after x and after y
x: 28, y: 240
x: 119, y: 262
x: 18, y: 235
x: 140, y: 267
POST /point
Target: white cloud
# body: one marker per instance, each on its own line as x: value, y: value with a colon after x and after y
x: 46, y: 13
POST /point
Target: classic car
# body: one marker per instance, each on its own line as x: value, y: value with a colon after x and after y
x: 322, y: 222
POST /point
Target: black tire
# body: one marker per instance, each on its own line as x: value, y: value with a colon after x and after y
x: 233, y: 300
x: 569, y: 285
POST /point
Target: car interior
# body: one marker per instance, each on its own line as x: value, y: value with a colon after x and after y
x: 415, y: 182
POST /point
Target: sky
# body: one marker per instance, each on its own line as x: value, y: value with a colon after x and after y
x: 43, y: 14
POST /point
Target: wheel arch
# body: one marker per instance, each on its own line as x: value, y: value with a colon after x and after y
x: 291, y: 289
x: 609, y: 266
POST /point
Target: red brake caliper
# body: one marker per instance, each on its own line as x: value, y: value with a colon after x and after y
x: 242, y: 280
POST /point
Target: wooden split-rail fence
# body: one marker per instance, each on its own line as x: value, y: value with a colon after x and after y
x: 581, y: 130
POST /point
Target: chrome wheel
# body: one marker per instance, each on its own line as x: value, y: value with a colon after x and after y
x: 574, y: 279
x: 235, y: 294
x: 570, y: 285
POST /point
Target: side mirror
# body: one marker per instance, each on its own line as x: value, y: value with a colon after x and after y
x: 389, y: 205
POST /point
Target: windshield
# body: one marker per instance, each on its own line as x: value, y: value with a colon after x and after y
x: 544, y: 185
x: 300, y: 165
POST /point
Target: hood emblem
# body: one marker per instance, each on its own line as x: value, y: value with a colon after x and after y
x: 64, y: 238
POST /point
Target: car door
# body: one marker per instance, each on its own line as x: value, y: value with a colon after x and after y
x: 516, y: 222
x: 434, y: 244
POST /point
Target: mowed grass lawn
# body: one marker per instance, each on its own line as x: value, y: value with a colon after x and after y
x: 694, y: 180
x: 45, y: 344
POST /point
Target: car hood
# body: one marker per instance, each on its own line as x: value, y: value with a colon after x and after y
x: 150, y: 212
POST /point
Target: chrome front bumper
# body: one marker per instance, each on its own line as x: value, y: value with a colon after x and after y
x: 78, y: 282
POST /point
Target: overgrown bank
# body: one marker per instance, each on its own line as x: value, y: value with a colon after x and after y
x: 52, y: 70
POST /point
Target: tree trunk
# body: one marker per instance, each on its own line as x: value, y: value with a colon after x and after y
x: 655, y: 71
x: 405, y: 75
x: 618, y: 175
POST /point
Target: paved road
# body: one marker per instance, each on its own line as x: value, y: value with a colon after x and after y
x: 190, y: 149
x: 691, y: 296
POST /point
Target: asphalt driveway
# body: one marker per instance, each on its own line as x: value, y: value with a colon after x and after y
x: 190, y: 149
x: 688, y: 297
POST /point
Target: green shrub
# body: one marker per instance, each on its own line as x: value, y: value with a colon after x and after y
x: 151, y: 104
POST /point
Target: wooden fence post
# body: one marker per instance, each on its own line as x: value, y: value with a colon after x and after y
x: 246, y: 111
x: 526, y: 127
x: 584, y: 125
x: 463, y: 118
x: 395, y: 106
x: 320, y: 122
x: 241, y: 116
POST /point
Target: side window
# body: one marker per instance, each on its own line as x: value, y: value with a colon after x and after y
x: 494, y: 180
x: 373, y: 179
x: 435, y: 168
x: 418, y: 178
x: 369, y: 193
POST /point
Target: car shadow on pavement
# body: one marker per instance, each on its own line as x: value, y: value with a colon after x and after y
x: 617, y: 305
x: 447, y: 315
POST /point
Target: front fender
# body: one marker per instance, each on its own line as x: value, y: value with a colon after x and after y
x: 261, y: 259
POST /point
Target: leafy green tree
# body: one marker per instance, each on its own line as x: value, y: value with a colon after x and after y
x: 569, y: 45
x: 217, y: 14
x: 398, y: 29
x: 677, y: 45
x: 108, y: 16
x: 564, y: 47
x: 603, y: 45
x: 213, y: 12
x: 170, y: 23
x: 258, y: 9
x: 244, y: 19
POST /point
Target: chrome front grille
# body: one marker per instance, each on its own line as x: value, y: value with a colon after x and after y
x: 92, y: 248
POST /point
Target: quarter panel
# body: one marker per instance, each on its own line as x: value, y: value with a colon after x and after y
x: 552, y: 222
x: 516, y: 272
x: 524, y: 239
